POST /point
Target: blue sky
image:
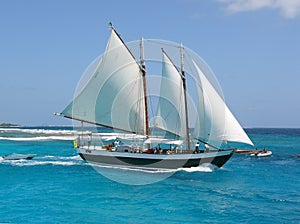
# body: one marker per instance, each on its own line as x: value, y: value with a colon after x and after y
x: 251, y: 45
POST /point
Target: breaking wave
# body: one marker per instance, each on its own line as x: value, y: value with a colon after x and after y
x: 40, y: 134
x: 207, y: 168
x: 29, y: 134
x: 135, y: 169
x: 46, y: 160
x: 202, y: 168
x: 39, y: 131
x: 39, y: 138
x: 142, y: 176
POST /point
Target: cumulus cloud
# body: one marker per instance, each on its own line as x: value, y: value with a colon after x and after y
x: 288, y: 8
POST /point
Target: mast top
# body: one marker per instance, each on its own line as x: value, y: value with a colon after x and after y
x: 182, y: 57
x: 110, y: 26
x: 142, y: 56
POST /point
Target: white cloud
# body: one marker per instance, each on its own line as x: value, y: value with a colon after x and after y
x: 288, y: 8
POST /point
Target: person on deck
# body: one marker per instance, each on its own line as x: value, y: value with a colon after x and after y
x: 196, y: 148
x: 206, y: 147
x: 116, y: 143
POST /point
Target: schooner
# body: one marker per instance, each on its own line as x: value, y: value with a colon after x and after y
x: 117, y: 96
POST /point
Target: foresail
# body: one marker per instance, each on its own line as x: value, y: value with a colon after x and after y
x: 171, y: 115
x: 215, y: 120
x: 113, y: 97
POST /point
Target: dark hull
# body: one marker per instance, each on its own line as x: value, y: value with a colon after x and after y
x: 166, y: 162
x: 19, y: 157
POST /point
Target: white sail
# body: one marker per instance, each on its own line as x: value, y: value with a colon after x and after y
x: 171, y: 114
x: 215, y: 120
x: 201, y: 129
x: 113, y: 97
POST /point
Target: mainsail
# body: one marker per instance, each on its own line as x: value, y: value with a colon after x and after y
x: 215, y: 120
x: 113, y: 96
x: 171, y: 114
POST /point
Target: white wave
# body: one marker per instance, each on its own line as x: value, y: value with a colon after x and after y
x: 47, y: 134
x: 48, y: 157
x: 39, y: 138
x: 76, y: 158
x: 46, y: 160
x: 129, y: 168
x: 207, y: 167
x: 36, y: 163
x: 57, y: 158
x: 44, y: 131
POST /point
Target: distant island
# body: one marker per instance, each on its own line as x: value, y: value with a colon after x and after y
x: 8, y: 125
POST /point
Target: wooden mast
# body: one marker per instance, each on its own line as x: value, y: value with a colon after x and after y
x: 188, y: 144
x: 144, y: 87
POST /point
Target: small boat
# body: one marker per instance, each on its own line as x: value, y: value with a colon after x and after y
x: 18, y: 156
x: 261, y: 153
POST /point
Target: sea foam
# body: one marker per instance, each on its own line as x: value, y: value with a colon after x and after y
x: 46, y: 160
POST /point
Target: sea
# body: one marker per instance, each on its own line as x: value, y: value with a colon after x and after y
x: 57, y: 186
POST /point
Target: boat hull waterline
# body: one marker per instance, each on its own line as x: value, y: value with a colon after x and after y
x: 154, y: 161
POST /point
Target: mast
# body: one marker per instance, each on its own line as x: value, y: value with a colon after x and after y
x: 184, y: 95
x: 142, y: 58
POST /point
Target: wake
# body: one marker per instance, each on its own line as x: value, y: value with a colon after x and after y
x: 45, y: 160
x: 205, y: 168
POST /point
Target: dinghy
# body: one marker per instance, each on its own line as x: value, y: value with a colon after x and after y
x: 262, y: 153
x: 18, y: 156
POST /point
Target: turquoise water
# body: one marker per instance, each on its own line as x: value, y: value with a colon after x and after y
x: 58, y: 187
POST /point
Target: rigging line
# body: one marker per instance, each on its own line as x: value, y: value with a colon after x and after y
x: 199, y: 85
x: 137, y: 105
x: 205, y: 68
x: 198, y: 139
x: 172, y: 62
x: 102, y: 60
x: 129, y: 51
x: 98, y: 124
x: 150, y: 102
x: 118, y: 35
x: 89, y: 78
x: 190, y: 68
x: 183, y: 78
x: 144, y: 80
x: 185, y: 99
x: 168, y: 131
x: 138, y: 108
x: 180, y: 107
x: 178, y: 121
x: 201, y: 105
x: 166, y: 43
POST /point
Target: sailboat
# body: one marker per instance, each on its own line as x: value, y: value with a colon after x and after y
x: 116, y: 96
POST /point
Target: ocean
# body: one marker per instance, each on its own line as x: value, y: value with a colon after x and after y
x: 57, y: 186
